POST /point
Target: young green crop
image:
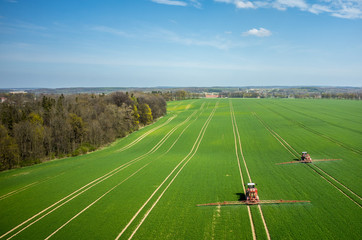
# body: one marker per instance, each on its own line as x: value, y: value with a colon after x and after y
x: 143, y: 184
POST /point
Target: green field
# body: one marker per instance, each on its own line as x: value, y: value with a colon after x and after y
x: 147, y: 185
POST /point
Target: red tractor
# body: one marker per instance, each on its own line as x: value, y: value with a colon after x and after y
x: 305, y: 158
x: 252, y: 193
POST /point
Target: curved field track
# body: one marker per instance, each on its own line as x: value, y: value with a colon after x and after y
x: 147, y: 185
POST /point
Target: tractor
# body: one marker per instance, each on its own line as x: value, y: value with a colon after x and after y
x: 252, y: 198
x: 252, y: 193
x: 305, y: 157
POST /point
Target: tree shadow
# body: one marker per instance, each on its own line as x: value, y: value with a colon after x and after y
x: 241, y: 196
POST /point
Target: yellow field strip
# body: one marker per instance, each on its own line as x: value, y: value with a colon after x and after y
x: 277, y: 136
x: 94, y: 182
x: 187, y: 159
x: 247, y: 170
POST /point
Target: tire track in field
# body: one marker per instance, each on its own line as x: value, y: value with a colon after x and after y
x: 339, y: 117
x: 352, y: 149
x: 319, y: 119
x: 240, y: 172
x: 310, y: 165
x: 145, y: 135
x: 184, y: 161
x: 154, y: 149
x: 198, y: 144
x: 278, y: 137
x: 85, y: 187
x: 26, y: 187
x: 247, y: 171
x: 122, y: 149
x: 176, y: 106
x: 79, y: 213
x: 18, y: 190
x: 189, y: 105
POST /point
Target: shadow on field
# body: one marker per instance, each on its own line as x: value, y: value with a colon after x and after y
x: 242, y: 196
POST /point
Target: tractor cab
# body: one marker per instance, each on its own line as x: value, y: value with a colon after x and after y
x: 305, y: 157
x: 252, y: 193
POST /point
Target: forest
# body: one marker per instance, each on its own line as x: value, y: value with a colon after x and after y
x: 37, y: 128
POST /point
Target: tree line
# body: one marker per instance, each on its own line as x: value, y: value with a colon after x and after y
x: 179, y: 95
x: 292, y: 93
x: 36, y: 128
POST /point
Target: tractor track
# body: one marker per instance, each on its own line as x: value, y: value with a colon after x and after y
x: 356, y: 151
x: 18, y: 190
x: 87, y: 207
x: 84, y: 209
x: 334, y: 185
x: 240, y: 172
x: 185, y: 160
x: 145, y: 135
x: 293, y: 152
x: 28, y: 186
x: 154, y: 149
x: 122, y: 149
x: 91, y: 184
x: 235, y: 126
x: 321, y: 120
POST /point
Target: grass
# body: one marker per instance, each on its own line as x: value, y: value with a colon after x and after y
x: 195, y: 162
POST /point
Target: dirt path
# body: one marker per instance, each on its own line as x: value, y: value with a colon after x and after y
x: 294, y: 153
x: 184, y: 161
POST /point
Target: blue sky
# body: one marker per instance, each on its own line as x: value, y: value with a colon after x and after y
x: 148, y: 43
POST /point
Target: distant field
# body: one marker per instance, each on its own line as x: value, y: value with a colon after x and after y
x: 147, y: 185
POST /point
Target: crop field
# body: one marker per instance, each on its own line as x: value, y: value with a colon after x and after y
x: 148, y: 185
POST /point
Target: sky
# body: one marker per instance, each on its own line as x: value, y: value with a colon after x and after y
x: 180, y: 43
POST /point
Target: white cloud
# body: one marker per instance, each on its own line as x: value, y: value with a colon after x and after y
x: 349, y: 9
x: 284, y: 4
x: 317, y: 8
x: 238, y: 3
x: 244, y: 4
x: 170, y: 2
x: 261, y: 32
x: 196, y: 3
x: 348, y: 12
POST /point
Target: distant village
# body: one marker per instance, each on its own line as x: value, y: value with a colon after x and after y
x: 174, y: 94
